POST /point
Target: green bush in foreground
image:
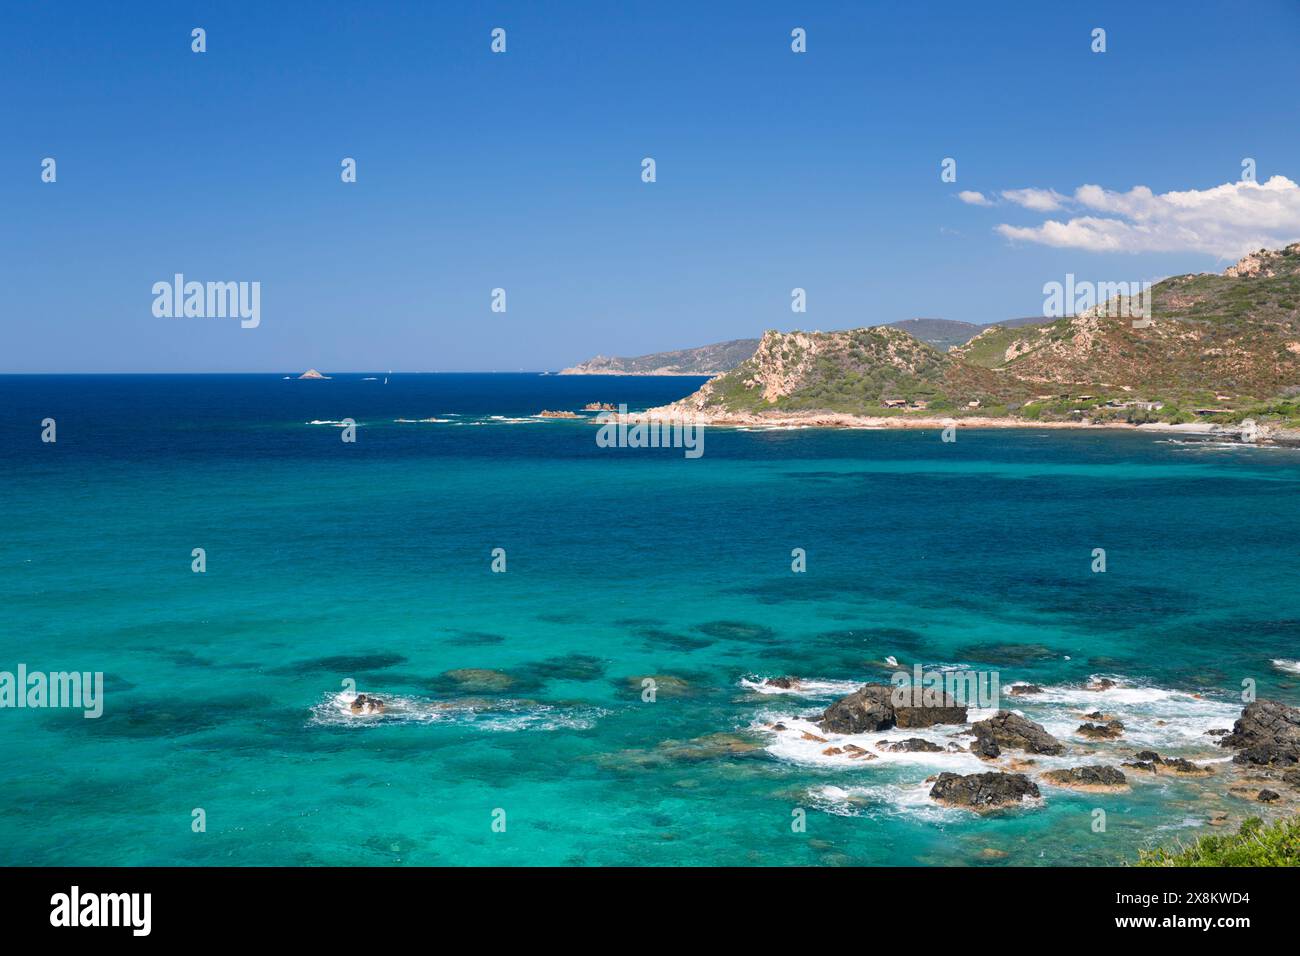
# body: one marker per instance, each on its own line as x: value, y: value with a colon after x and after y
x: 1253, y: 845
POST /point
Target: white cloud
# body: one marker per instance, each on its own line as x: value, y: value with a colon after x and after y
x: 973, y: 198
x: 1039, y: 200
x: 1226, y: 221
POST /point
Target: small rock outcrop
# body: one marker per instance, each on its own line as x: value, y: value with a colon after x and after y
x: 1152, y: 762
x: 547, y: 413
x: 1010, y: 730
x: 311, y: 373
x: 1107, y: 731
x: 1095, y: 779
x: 1021, y: 690
x: 871, y: 708
x: 983, y: 791
x: 366, y: 704
x: 1266, y: 734
x: 910, y: 745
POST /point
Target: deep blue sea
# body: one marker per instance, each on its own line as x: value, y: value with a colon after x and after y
x: 517, y: 696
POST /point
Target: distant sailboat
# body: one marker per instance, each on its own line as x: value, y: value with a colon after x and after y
x: 390, y: 372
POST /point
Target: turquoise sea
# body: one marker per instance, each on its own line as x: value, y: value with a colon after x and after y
x: 521, y: 691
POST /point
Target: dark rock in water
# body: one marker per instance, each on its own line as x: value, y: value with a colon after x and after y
x: 1005, y: 729
x: 910, y: 745
x: 1020, y: 690
x: 871, y: 708
x: 367, y: 704
x: 1217, y: 732
x: 943, y: 710
x: 1268, y: 796
x: 1095, y: 715
x: 1152, y: 762
x: 1292, y: 778
x: 1267, y: 734
x: 785, y: 683
x: 1088, y: 778
x: 866, y: 710
x: 1104, y: 684
x: 983, y: 791
x: 1107, y: 731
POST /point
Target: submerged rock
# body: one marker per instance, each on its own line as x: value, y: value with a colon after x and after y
x: 871, y: 708
x: 1010, y: 730
x: 983, y: 791
x: 479, y: 680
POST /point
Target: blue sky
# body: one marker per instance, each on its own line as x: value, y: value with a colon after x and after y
x: 522, y: 170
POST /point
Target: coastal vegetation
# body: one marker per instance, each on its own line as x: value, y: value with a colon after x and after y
x: 1254, y: 844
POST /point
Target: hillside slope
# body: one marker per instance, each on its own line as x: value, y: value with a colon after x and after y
x: 1220, y: 348
x: 704, y: 360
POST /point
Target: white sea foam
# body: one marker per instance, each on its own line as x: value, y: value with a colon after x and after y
x: 505, y: 716
x: 319, y: 421
x: 790, y: 744
x: 1291, y: 667
x: 1171, y: 722
x: 1153, y: 717
x: 811, y: 687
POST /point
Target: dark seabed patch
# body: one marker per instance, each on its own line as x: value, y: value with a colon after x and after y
x: 657, y: 637
x: 567, y: 667
x: 1008, y: 653
x: 477, y: 639
x: 633, y: 622
x: 737, y: 631
x: 563, y: 618
x: 482, y: 680
x: 166, y: 716
x: 800, y: 587
x: 342, y: 664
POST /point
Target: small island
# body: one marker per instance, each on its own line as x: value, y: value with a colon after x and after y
x: 312, y: 373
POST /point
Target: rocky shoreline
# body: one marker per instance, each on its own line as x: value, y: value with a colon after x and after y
x: 1264, y: 767
x: 798, y: 420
